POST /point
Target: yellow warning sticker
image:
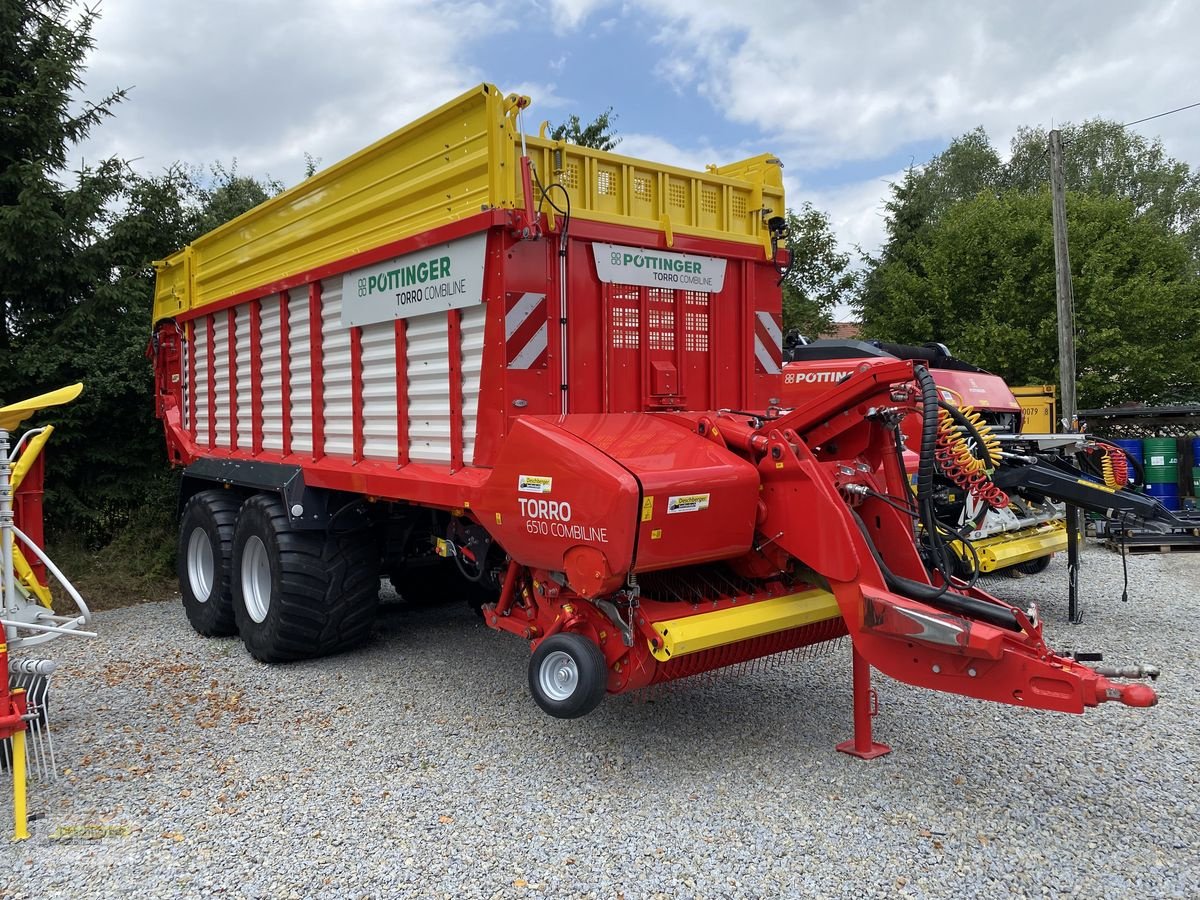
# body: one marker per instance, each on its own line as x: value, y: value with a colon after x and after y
x: 499, y: 521
x: 655, y: 534
x: 647, y: 509
x: 1096, y: 484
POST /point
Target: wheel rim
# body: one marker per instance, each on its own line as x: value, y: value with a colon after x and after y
x: 558, y: 675
x: 256, y: 579
x: 200, y: 566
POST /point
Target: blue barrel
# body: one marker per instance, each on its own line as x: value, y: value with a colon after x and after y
x: 1167, y: 494
x: 1196, y: 450
x: 1132, y: 447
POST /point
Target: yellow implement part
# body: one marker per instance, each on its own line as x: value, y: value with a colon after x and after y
x: 691, y: 634
x: 20, y: 818
x: 448, y: 166
x: 28, y: 579
x: 1005, y: 550
x: 22, y: 466
x: 15, y: 413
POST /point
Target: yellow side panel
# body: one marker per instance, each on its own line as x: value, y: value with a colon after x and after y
x: 729, y: 203
x: 447, y: 166
x: 691, y: 634
x: 434, y: 171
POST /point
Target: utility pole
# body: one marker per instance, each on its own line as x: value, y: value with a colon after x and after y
x: 1066, y: 351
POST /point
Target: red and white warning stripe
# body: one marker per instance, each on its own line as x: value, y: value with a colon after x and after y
x: 768, y: 343
x: 526, y: 330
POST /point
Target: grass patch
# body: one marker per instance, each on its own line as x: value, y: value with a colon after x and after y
x: 136, y: 566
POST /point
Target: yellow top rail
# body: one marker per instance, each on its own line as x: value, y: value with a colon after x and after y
x: 446, y: 166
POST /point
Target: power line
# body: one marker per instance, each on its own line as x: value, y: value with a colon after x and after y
x: 1161, y: 114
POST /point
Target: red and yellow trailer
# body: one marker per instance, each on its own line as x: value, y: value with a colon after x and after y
x: 550, y: 376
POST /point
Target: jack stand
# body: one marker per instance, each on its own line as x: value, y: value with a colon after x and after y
x: 863, y: 746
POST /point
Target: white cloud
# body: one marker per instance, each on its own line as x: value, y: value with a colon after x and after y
x: 268, y: 81
x: 856, y: 211
x: 837, y: 82
x: 570, y: 14
x: 822, y: 85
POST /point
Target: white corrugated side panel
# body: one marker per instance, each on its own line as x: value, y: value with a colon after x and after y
x: 200, y: 351
x: 335, y: 355
x: 428, y: 389
x: 300, y: 371
x: 245, y: 409
x: 221, y: 368
x: 379, y: 390
x: 272, y: 374
x: 471, y: 333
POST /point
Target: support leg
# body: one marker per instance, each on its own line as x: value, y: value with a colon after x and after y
x: 862, y: 746
x: 20, y: 819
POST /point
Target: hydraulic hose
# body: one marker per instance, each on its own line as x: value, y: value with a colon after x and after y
x: 964, y: 422
x: 939, y: 598
x: 929, y: 417
x: 925, y: 469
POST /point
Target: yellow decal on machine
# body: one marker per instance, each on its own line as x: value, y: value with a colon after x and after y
x: 535, y: 484
x: 1097, y: 485
x: 686, y: 503
x: 647, y: 509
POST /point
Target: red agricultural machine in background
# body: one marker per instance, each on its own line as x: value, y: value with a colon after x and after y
x: 998, y: 483
x: 554, y: 374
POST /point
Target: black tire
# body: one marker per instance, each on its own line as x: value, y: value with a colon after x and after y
x: 568, y: 675
x: 300, y: 594
x: 204, y: 561
x: 1034, y: 566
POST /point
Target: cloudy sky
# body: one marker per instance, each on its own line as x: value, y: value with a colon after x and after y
x: 847, y: 94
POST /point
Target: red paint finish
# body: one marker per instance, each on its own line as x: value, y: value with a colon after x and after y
x: 27, y: 514
x: 210, y: 346
x: 356, y: 392
x: 454, y: 355
x: 402, y: 438
x: 191, y: 362
x: 285, y: 372
x: 317, y: 355
x: 231, y: 328
x: 603, y: 496
x: 863, y: 746
x: 256, y: 386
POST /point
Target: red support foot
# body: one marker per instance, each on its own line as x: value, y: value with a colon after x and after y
x: 862, y: 746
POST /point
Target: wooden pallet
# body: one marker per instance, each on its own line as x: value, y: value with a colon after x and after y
x: 1157, y: 543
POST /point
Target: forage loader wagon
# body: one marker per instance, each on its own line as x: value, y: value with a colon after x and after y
x: 553, y: 373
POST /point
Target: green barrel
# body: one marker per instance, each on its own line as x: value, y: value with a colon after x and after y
x: 1196, y: 481
x: 1161, y: 459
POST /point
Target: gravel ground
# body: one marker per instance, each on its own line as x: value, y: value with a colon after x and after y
x: 418, y: 766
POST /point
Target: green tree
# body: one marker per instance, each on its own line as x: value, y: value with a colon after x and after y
x: 969, y: 261
x: 225, y: 195
x: 76, y: 279
x: 597, y: 134
x: 983, y: 282
x: 46, y: 230
x: 820, y: 277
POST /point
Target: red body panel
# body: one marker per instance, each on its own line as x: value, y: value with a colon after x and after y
x: 598, y: 442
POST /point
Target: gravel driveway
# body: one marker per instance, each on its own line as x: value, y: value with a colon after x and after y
x: 419, y: 766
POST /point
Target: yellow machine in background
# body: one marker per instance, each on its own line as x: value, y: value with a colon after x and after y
x: 1039, y: 408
